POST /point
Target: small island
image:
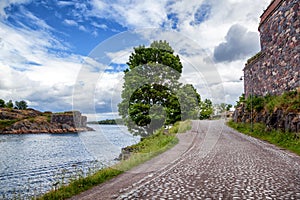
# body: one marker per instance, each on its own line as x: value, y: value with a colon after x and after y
x: 25, y: 121
x: 107, y: 122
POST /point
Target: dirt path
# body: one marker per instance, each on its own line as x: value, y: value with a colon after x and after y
x: 211, y: 161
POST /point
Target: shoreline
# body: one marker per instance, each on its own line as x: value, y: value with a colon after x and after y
x: 51, y: 131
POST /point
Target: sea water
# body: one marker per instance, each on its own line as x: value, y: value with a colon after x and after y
x: 32, y: 164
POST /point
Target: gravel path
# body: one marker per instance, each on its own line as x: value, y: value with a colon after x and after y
x: 211, y: 161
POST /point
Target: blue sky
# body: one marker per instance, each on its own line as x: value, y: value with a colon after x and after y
x: 48, y: 48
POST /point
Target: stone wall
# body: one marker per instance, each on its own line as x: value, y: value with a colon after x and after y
x: 276, y: 68
x: 279, y: 119
x: 71, y: 118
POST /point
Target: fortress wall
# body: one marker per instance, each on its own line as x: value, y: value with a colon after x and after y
x: 277, y: 68
x: 72, y: 118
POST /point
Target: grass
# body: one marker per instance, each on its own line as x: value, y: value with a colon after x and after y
x: 141, y: 152
x: 6, y: 122
x: 289, y: 141
x: 181, y: 127
x: 289, y: 101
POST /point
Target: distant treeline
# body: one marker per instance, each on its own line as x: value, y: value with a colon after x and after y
x: 107, y: 121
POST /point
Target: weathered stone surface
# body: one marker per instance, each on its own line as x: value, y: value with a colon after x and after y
x: 7, y: 113
x: 32, y: 121
x: 74, y: 119
x: 278, y: 119
x: 277, y: 68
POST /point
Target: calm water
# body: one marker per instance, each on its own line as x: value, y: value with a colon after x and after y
x: 33, y: 164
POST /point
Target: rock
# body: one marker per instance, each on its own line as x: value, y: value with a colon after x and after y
x: 279, y: 119
x: 32, y: 121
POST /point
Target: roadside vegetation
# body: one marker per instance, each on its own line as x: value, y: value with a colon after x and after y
x: 286, y: 140
x: 289, y: 101
x: 148, y: 148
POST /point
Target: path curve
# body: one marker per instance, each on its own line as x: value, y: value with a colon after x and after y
x: 211, y: 161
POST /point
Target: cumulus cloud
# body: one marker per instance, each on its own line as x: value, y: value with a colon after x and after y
x: 47, y: 78
x: 239, y: 44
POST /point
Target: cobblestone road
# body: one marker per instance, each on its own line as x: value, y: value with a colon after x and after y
x: 222, y: 164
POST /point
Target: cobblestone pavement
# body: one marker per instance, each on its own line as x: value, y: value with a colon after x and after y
x: 220, y: 163
x: 224, y: 164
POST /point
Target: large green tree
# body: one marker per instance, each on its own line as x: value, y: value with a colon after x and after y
x: 152, y: 95
x: 2, y: 103
x: 9, y: 104
x: 206, y: 109
x: 21, y: 105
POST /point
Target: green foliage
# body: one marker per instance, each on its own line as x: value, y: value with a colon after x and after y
x: 6, y: 122
x: 151, y: 84
x: 240, y: 101
x: 255, y: 102
x: 181, y: 127
x: 228, y: 107
x: 48, y: 115
x: 290, y: 141
x: 9, y: 104
x: 2, y: 103
x: 223, y: 107
x: 81, y: 185
x: 206, y: 109
x: 158, y: 53
x: 190, y: 102
x: 107, y: 121
x: 21, y: 105
x: 153, y: 143
x: 289, y: 101
x: 253, y: 58
x: 162, y: 45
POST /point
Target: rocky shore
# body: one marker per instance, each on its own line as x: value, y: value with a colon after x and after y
x: 13, y: 121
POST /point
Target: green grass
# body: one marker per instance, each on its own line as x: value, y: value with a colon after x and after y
x: 181, y: 127
x: 141, y: 152
x: 6, y: 122
x: 289, y: 141
x: 289, y: 101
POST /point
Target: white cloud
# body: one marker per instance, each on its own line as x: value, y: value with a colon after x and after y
x: 101, y: 26
x: 134, y: 14
x: 65, y: 3
x: 120, y: 57
x: 70, y: 22
x: 47, y: 79
x: 7, y: 3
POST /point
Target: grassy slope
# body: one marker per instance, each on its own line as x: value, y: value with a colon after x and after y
x: 290, y: 141
x: 144, y: 150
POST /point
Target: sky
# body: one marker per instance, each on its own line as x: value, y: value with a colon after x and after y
x: 70, y: 55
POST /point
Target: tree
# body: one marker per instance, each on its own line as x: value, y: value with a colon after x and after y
x: 21, y: 105
x: 190, y: 102
x: 9, y: 104
x: 2, y: 103
x: 228, y: 107
x: 149, y: 96
x: 240, y: 101
x: 206, y: 109
x: 223, y: 107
